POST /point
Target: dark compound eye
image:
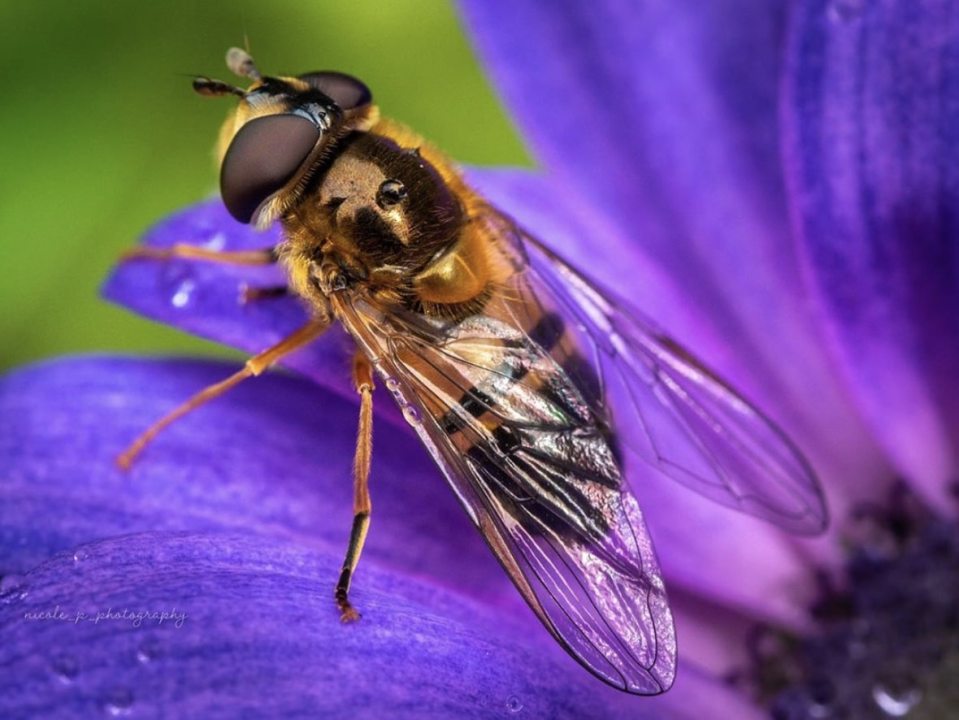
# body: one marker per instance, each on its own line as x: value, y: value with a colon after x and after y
x: 265, y: 154
x: 391, y: 192
x: 345, y: 90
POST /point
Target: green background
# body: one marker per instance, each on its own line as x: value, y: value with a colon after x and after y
x: 102, y: 135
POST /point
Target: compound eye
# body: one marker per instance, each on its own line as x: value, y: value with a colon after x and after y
x: 390, y: 193
x: 262, y: 158
x: 345, y: 90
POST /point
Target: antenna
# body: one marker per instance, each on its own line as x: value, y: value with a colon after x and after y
x: 240, y: 63
x: 209, y: 87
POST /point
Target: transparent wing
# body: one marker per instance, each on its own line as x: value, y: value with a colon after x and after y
x: 538, y: 476
x: 526, y: 407
x: 673, y: 412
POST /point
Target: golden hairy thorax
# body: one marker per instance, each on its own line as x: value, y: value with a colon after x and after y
x: 393, y: 215
x: 374, y: 207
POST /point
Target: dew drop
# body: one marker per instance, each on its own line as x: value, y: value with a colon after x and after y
x: 896, y: 702
x: 217, y: 241
x: 392, y: 384
x: 79, y: 556
x: 119, y: 703
x: 12, y: 588
x: 846, y: 11
x: 183, y: 294
x: 147, y: 652
x: 821, y: 697
x: 412, y: 415
x: 65, y: 668
x: 514, y: 705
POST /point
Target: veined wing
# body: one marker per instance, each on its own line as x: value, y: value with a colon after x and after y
x: 538, y: 475
x: 675, y: 413
x: 526, y: 406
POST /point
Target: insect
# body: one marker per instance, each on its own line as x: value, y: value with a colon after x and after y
x: 535, y: 391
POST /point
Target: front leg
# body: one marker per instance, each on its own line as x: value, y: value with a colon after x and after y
x: 256, y: 365
x: 363, y: 381
x: 266, y: 256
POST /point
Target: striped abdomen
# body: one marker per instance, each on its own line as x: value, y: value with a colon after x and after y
x: 513, y: 392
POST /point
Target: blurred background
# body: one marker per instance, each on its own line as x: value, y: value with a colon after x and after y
x: 102, y: 135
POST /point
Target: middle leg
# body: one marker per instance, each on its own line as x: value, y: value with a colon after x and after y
x: 363, y: 381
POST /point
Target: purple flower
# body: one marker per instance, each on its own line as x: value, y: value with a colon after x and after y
x: 776, y: 184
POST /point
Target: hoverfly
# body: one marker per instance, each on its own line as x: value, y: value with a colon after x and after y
x: 534, y: 390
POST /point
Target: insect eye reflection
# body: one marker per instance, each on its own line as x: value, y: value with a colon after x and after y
x: 391, y: 192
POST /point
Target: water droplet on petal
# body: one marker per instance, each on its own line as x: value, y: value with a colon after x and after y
x: 119, y: 703
x: 821, y: 697
x: 846, y: 11
x: 65, y: 668
x: 148, y: 651
x: 514, y: 705
x: 12, y: 588
x: 79, y: 556
x: 412, y: 415
x: 896, y: 701
x: 183, y: 294
x: 217, y: 241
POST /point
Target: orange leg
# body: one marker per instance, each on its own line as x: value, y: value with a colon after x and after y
x: 363, y: 381
x: 254, y: 366
x: 267, y: 256
x: 253, y: 294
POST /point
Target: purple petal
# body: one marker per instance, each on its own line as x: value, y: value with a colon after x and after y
x: 872, y: 143
x: 717, y: 637
x: 250, y: 629
x: 273, y: 458
x: 651, y: 104
x: 205, y: 298
x: 269, y: 461
x: 664, y: 116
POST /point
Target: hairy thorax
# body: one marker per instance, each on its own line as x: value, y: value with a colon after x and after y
x: 391, y: 217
